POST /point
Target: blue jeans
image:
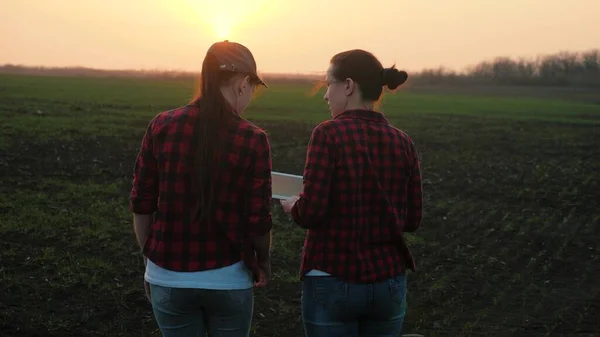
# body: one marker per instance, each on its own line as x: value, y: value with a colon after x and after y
x: 332, y: 307
x: 186, y: 312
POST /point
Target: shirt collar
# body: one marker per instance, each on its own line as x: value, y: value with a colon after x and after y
x: 371, y: 115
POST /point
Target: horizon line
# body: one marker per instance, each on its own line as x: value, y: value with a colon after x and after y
x: 316, y: 73
x: 463, y: 70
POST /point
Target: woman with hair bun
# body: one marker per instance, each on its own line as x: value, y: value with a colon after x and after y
x: 362, y: 191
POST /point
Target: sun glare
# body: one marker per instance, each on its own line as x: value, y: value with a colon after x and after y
x: 222, y: 31
x: 222, y: 25
x: 225, y: 17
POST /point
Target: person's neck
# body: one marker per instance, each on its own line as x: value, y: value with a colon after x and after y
x: 230, y: 98
x: 359, y: 106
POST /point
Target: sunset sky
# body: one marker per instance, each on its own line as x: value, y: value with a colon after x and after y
x: 290, y: 36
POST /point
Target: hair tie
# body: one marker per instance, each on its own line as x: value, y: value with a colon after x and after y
x: 383, y: 75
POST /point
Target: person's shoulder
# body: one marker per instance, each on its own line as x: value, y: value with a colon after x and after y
x: 327, y: 127
x: 403, y: 134
x: 400, y: 133
x: 252, y: 128
x: 250, y: 135
x: 164, y: 118
x: 404, y: 139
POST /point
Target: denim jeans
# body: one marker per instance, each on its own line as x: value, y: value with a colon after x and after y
x: 187, y: 312
x: 332, y: 307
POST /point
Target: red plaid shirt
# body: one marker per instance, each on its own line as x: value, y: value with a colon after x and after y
x: 362, y: 191
x: 162, y: 183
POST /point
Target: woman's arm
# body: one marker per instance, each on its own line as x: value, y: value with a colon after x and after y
x: 141, y: 227
x: 260, y: 220
x: 143, y: 199
x: 415, y: 193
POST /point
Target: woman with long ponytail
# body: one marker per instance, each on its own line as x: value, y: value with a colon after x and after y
x: 201, y: 201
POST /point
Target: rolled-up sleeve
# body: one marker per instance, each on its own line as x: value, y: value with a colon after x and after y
x: 143, y: 198
x: 259, y: 188
x: 415, y: 193
x: 311, y: 208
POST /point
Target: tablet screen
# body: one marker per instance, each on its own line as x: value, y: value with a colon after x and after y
x: 285, y: 185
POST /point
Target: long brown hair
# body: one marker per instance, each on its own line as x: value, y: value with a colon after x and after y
x: 210, y: 128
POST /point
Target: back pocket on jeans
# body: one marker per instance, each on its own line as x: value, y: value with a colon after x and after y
x: 328, y: 291
x: 398, y: 289
x: 160, y: 294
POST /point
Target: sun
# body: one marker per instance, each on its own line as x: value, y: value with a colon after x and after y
x: 222, y: 26
x: 228, y: 17
x: 222, y: 31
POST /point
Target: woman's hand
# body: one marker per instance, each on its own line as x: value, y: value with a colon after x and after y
x: 147, y: 291
x: 264, y: 273
x: 289, y: 203
x: 146, y: 284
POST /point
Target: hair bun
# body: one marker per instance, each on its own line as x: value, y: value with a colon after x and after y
x: 393, y: 78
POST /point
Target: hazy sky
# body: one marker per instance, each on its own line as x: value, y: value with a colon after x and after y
x: 290, y: 36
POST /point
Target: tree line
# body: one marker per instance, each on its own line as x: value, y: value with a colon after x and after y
x: 563, y: 69
x: 567, y: 69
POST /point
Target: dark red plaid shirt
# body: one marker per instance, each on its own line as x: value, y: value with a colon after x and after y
x: 162, y: 185
x: 362, y: 191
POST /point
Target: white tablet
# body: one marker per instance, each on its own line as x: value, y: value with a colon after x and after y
x: 285, y: 185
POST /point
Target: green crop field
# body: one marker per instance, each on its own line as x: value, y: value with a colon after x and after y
x: 510, y: 244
